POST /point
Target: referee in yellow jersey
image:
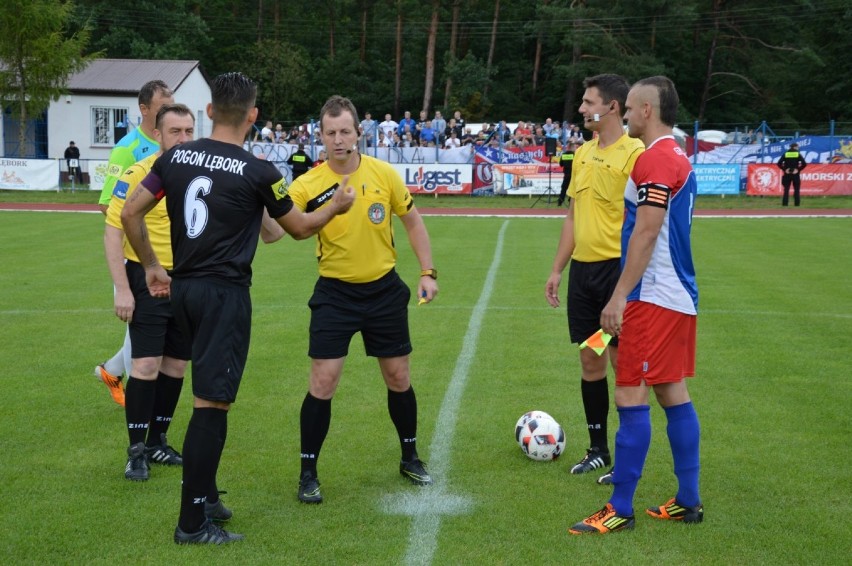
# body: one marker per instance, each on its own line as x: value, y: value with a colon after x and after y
x: 359, y: 289
x: 591, y: 241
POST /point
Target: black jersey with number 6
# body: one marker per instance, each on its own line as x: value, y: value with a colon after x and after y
x: 216, y: 194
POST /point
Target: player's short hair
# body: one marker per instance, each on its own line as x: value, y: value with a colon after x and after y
x: 233, y: 96
x: 179, y: 109
x: 337, y: 105
x: 667, y: 93
x: 611, y: 87
x: 149, y: 89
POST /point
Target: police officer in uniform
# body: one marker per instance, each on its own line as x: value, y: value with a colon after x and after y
x: 791, y: 163
x: 566, y: 160
x: 299, y: 162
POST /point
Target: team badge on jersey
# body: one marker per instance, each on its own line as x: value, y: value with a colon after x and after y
x: 376, y: 213
x: 280, y: 189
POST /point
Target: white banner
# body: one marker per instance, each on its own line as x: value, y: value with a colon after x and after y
x: 527, y: 179
x: 97, y: 174
x: 29, y: 174
x: 436, y: 179
x: 278, y: 152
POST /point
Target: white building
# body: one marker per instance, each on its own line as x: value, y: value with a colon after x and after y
x: 103, y: 102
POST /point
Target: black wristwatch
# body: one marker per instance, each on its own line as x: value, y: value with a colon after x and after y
x: 433, y: 273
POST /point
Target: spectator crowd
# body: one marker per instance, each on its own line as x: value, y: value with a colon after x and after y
x: 435, y: 132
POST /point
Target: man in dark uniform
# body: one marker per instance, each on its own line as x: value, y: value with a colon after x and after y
x: 791, y: 163
x: 566, y: 160
x: 72, y: 158
x: 299, y: 162
x: 217, y: 194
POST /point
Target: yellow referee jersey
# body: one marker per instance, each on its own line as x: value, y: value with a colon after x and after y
x: 358, y: 246
x: 157, y: 219
x: 598, y: 178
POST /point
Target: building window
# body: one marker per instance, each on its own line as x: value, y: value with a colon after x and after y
x: 105, y: 122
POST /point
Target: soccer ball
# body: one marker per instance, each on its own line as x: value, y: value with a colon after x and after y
x: 540, y: 436
x: 525, y: 418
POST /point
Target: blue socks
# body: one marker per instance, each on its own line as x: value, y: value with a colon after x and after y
x: 684, y: 434
x: 631, y: 447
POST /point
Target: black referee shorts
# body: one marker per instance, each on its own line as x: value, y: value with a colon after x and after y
x: 590, y: 286
x: 153, y: 329
x: 217, y: 318
x: 378, y: 310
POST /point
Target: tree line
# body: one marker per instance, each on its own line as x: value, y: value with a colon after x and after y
x: 735, y: 62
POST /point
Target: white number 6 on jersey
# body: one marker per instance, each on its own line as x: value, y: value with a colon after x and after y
x: 194, y: 208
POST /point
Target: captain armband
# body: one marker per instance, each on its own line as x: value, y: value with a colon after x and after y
x: 651, y: 194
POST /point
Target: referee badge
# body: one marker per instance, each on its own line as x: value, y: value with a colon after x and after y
x: 376, y: 213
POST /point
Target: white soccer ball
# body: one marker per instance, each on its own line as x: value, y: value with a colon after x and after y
x: 541, y: 437
x: 525, y: 418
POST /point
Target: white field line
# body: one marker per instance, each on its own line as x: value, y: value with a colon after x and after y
x: 427, y: 505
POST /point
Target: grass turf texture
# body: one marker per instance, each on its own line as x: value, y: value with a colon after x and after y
x: 712, y: 202
x: 772, y: 393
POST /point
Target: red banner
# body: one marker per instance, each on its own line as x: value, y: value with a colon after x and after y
x: 818, y: 179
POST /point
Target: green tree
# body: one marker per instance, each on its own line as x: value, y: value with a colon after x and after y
x: 734, y: 61
x: 281, y: 71
x: 149, y: 29
x: 38, y: 52
x: 469, y: 77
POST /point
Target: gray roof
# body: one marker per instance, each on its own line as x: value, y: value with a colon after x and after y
x: 117, y: 76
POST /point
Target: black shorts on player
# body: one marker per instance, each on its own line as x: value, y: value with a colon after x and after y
x: 154, y: 332
x: 378, y: 310
x: 217, y: 319
x: 590, y: 286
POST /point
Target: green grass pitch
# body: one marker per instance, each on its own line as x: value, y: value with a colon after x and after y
x: 772, y: 392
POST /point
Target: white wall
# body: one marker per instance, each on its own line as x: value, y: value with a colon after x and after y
x: 195, y: 93
x: 69, y: 117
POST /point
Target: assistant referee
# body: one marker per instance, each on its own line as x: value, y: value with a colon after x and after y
x: 359, y: 289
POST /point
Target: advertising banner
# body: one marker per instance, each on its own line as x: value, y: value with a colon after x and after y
x: 486, y: 157
x: 717, y: 179
x: 527, y: 179
x: 29, y: 174
x: 815, y: 149
x: 436, y: 179
x: 818, y: 179
x: 97, y: 174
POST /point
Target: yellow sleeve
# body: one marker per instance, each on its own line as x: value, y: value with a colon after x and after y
x: 578, y: 157
x: 298, y: 194
x: 638, y: 148
x: 401, y: 202
x: 120, y: 159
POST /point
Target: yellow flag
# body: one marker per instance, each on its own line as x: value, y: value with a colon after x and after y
x: 597, y: 342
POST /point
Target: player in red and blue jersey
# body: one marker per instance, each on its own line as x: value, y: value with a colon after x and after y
x: 653, y: 310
